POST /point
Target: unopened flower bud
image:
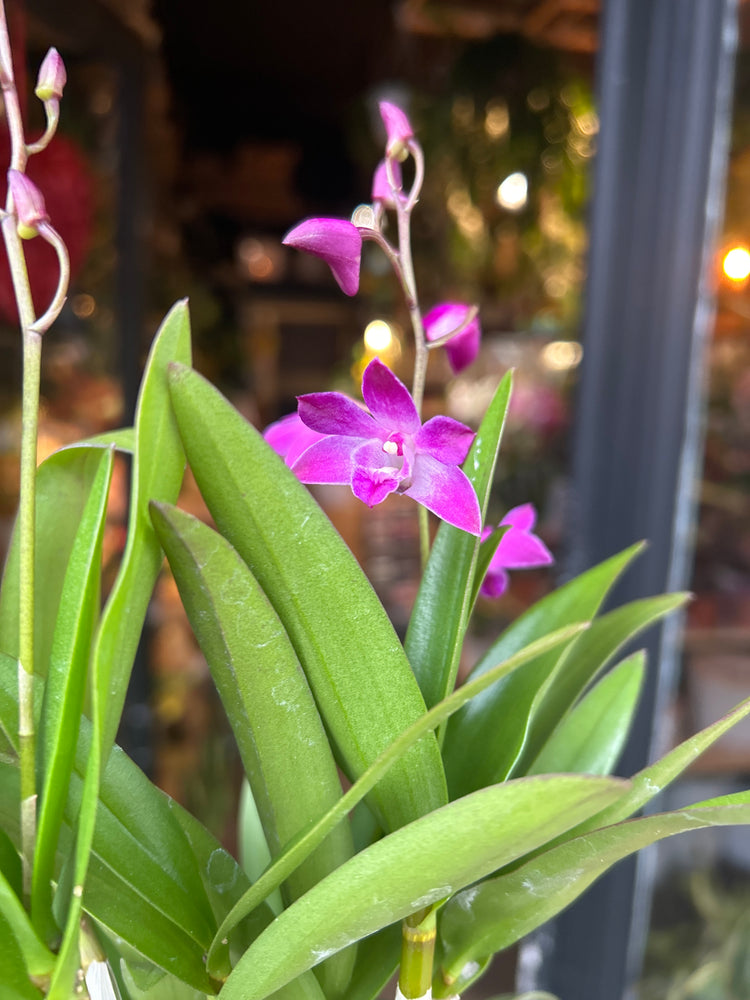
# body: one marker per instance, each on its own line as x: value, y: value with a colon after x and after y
x: 363, y: 217
x: 29, y: 204
x: 52, y: 77
x: 398, y: 130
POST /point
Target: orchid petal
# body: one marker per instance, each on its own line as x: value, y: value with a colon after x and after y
x: 381, y: 186
x: 372, y: 486
x: 446, y: 491
x: 445, y: 439
x: 337, y: 241
x: 327, y: 461
x: 289, y: 437
x: 335, y: 413
x: 495, y: 583
x: 463, y: 348
x: 388, y: 399
x: 520, y: 549
x: 398, y: 129
x: 523, y: 517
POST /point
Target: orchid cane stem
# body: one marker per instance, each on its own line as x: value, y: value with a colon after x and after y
x: 32, y: 349
x: 417, y: 954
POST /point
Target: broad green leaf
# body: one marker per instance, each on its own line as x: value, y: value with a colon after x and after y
x: 416, y: 866
x: 304, y: 845
x: 13, y: 973
x: 354, y: 663
x: 590, y: 738
x: 495, y: 914
x: 158, y: 467
x: 123, y: 439
x: 63, y: 486
x: 582, y: 662
x: 281, y: 739
x: 441, y: 613
x: 485, y: 739
x: 66, y: 683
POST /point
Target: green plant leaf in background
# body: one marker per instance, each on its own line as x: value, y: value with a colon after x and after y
x: 354, y: 663
x: 158, y: 468
x: 590, y: 739
x: 485, y: 739
x: 495, y: 914
x: 14, y: 974
x: 417, y: 866
x: 272, y: 712
x: 441, y: 614
x: 64, y: 691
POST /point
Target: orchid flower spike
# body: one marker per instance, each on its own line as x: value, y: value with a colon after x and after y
x: 52, y: 77
x: 398, y: 130
x: 389, y: 449
x: 463, y: 347
x: 519, y: 548
x: 337, y: 242
x: 28, y: 200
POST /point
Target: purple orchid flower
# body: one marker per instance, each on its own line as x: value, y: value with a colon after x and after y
x: 389, y: 449
x: 336, y: 241
x: 519, y: 548
x: 398, y: 130
x: 289, y: 437
x: 448, y: 316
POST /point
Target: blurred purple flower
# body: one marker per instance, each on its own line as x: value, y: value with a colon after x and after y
x: 389, y: 450
x: 519, y: 548
x: 398, y: 130
x: 448, y: 316
x: 289, y: 437
x: 381, y: 189
x: 336, y: 241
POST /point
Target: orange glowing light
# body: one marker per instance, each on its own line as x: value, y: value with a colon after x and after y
x: 736, y: 264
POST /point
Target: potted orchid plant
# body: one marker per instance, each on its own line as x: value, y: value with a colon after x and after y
x: 470, y: 814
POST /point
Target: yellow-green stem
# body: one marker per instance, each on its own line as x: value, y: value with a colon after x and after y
x: 417, y: 954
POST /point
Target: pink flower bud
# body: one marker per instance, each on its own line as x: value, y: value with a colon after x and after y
x: 381, y: 188
x: 337, y: 242
x: 398, y: 130
x: 463, y: 346
x: 52, y: 77
x: 29, y: 204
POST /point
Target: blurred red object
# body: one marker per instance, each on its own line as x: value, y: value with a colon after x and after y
x: 64, y: 178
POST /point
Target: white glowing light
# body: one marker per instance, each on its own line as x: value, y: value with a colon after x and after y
x: 378, y: 336
x: 513, y: 193
x: 562, y: 355
x: 737, y: 264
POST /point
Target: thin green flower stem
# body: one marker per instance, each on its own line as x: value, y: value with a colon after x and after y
x: 417, y: 953
x: 32, y: 351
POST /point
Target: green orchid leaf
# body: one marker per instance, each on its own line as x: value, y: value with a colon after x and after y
x: 13, y: 972
x: 485, y: 739
x: 354, y: 663
x: 63, y: 487
x: 590, y: 738
x: 303, y: 846
x: 377, y: 960
x: 64, y: 691
x: 122, y: 439
x: 497, y: 913
x: 281, y: 739
x: 158, y: 467
x: 583, y: 661
x: 252, y: 846
x: 416, y: 866
x: 441, y: 614
x: 38, y: 960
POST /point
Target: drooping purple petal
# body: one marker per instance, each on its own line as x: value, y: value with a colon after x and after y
x: 446, y: 491
x: 388, y: 399
x: 381, y: 188
x: 523, y: 517
x: 336, y: 241
x: 495, y: 583
x: 289, y: 437
x: 335, y: 413
x: 398, y: 129
x: 329, y: 460
x: 463, y: 348
x: 446, y: 439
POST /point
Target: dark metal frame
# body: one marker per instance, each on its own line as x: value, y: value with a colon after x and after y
x: 665, y: 87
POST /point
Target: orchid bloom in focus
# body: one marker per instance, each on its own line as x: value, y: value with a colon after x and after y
x: 389, y: 449
x: 519, y: 548
x: 463, y: 347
